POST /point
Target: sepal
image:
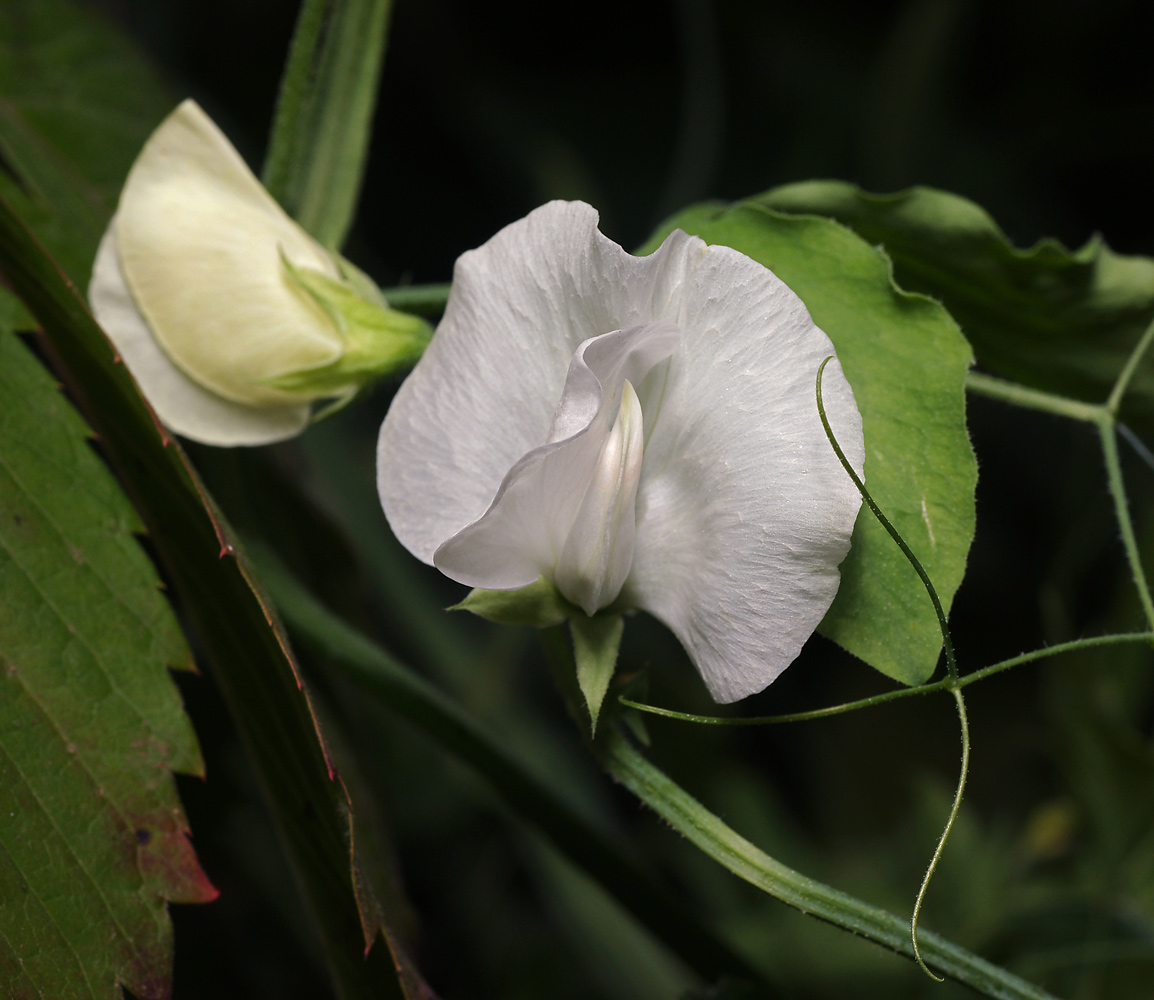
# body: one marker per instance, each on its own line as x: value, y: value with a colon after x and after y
x: 377, y: 340
x: 539, y: 605
x: 596, y: 642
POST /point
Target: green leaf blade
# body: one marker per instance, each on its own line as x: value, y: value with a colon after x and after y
x: 1057, y: 320
x: 906, y: 361
x: 93, y: 841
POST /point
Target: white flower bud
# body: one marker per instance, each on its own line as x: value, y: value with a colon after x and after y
x: 228, y: 314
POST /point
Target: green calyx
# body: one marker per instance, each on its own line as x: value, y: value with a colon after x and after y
x: 377, y: 340
x: 596, y: 639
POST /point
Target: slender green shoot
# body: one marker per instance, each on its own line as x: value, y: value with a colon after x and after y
x: 965, y: 770
x: 1127, y: 373
x: 947, y: 641
x: 1125, y: 523
x: 1121, y: 638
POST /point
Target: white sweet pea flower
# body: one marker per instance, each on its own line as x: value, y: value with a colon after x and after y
x: 231, y: 318
x: 641, y: 431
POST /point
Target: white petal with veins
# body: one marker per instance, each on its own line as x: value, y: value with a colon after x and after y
x: 742, y: 512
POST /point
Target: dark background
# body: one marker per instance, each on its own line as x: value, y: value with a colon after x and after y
x: 1039, y: 111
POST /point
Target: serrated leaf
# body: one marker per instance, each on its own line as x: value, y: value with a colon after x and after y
x: 906, y: 361
x: 1058, y: 320
x: 236, y: 626
x: 76, y: 104
x: 93, y: 841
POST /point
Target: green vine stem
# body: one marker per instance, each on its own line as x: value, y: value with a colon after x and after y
x: 954, y: 809
x: 1109, y: 438
x: 1128, y: 369
x: 1105, y: 418
x: 1122, y: 638
x: 1033, y: 399
x: 377, y: 674
x: 947, y: 641
x: 951, y: 663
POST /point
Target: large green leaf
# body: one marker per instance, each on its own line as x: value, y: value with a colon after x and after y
x: 93, y: 841
x: 1047, y: 317
x: 214, y: 585
x: 76, y: 104
x: 906, y: 360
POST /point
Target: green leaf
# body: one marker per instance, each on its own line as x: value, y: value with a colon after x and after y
x: 540, y: 605
x: 1046, y: 317
x: 906, y: 361
x: 320, y: 137
x: 76, y: 104
x: 215, y: 586
x: 93, y: 841
x: 596, y: 641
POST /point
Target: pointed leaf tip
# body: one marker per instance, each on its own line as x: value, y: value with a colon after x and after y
x: 596, y: 642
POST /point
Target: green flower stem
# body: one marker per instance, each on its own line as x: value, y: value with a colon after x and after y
x: 880, y: 699
x: 378, y: 675
x: 624, y: 763
x: 734, y: 852
x: 933, y: 866
x: 424, y: 300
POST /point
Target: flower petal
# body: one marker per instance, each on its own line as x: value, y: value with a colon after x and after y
x: 181, y: 404
x: 524, y: 530
x: 599, y: 550
x: 200, y: 244
x: 744, y: 513
x: 484, y: 394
